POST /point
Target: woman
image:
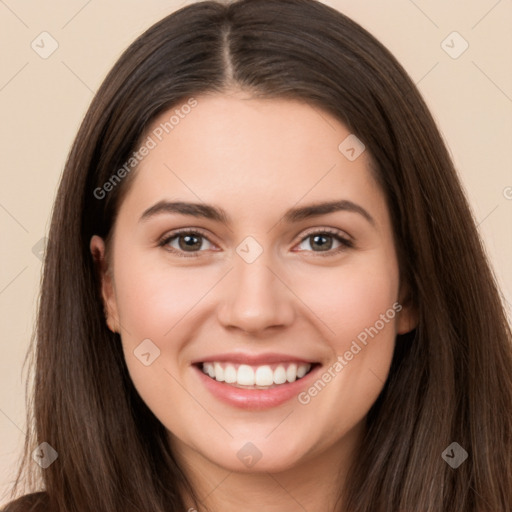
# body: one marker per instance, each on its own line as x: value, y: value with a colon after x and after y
x: 264, y: 288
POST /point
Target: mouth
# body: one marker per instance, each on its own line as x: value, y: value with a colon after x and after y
x: 244, y: 376
x: 247, y: 384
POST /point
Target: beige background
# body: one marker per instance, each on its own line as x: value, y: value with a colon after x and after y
x: 42, y: 102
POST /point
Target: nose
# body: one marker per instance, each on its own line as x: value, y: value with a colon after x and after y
x: 256, y: 297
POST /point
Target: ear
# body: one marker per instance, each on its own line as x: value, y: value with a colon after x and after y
x: 97, y: 248
x: 407, y: 318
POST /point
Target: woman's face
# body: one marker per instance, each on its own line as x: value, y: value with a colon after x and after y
x: 284, y: 264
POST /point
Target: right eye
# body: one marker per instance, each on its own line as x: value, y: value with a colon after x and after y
x: 185, y: 241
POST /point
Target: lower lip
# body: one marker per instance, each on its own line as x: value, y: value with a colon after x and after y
x: 256, y: 398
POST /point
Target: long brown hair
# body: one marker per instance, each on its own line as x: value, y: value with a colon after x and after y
x: 451, y: 377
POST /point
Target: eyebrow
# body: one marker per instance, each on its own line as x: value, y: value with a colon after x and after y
x: 216, y: 213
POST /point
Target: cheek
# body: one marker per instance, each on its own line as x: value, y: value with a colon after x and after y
x: 359, y: 306
x: 152, y: 299
x: 157, y: 302
x: 354, y: 299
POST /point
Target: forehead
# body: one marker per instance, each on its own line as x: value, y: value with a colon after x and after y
x: 249, y: 152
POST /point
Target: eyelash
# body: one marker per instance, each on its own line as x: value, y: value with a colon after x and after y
x: 345, y: 242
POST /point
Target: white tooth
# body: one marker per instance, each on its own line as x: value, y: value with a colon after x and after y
x: 279, y: 375
x: 208, y: 369
x: 245, y: 375
x: 264, y: 376
x: 230, y: 374
x: 219, y: 372
x: 291, y: 373
x: 302, y: 370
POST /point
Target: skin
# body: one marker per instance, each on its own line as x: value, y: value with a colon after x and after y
x: 256, y: 159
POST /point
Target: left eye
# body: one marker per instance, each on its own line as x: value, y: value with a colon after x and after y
x: 323, y: 241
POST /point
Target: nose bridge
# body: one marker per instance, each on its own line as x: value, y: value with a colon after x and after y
x: 255, y: 298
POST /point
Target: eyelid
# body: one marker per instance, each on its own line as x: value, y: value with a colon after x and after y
x: 331, y: 231
x: 188, y: 230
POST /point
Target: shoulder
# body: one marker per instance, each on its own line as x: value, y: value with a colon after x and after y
x: 35, y: 502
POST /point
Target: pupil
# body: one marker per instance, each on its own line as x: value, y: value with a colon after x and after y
x: 317, y: 238
x: 190, y: 242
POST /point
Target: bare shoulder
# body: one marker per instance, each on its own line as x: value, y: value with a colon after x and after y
x: 35, y: 502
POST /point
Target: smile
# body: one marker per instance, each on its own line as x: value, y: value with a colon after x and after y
x: 255, y: 382
x: 255, y: 377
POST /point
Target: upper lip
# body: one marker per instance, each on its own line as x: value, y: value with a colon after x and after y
x: 253, y: 359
